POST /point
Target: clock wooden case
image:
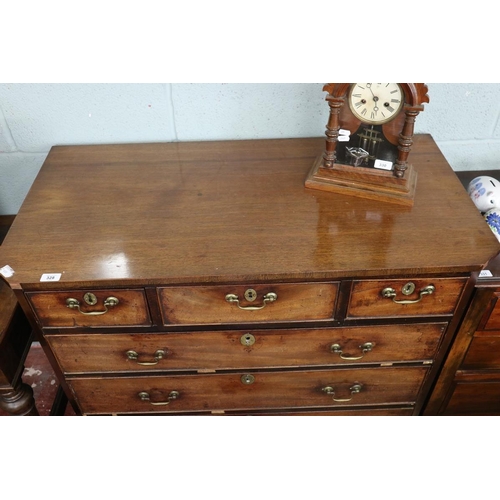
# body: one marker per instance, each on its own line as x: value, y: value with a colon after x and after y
x: 369, y: 136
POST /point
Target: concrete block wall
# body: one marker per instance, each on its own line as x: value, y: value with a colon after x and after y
x: 462, y: 118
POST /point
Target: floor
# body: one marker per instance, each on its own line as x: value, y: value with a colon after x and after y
x: 39, y: 375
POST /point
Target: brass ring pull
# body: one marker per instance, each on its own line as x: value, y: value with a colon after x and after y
x: 390, y: 293
x: 109, y: 302
x: 268, y: 298
x: 355, y: 389
x: 365, y: 348
x: 144, y: 396
x: 134, y: 356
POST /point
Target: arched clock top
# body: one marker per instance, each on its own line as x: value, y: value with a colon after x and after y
x: 415, y: 93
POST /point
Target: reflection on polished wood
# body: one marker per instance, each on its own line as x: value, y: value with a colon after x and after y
x: 221, y: 211
x: 255, y: 289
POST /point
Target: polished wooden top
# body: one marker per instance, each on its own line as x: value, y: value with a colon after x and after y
x: 232, y: 211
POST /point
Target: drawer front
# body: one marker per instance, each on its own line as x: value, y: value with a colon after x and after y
x: 372, y: 412
x: 235, y: 350
x: 491, y: 320
x: 475, y: 398
x: 392, y: 298
x: 247, y: 304
x: 483, y: 354
x: 96, y: 308
x: 243, y: 391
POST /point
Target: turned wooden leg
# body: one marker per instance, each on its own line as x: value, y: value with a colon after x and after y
x: 19, y: 401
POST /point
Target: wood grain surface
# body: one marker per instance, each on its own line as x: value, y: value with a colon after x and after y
x: 224, y: 211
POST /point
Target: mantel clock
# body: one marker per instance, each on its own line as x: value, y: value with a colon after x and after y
x: 369, y: 136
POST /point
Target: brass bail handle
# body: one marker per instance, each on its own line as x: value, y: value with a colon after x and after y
x: 109, y: 302
x: 330, y: 391
x: 144, y: 396
x: 251, y: 295
x: 134, y: 356
x: 390, y: 293
x: 365, y: 348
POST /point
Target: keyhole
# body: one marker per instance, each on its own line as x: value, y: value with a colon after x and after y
x: 250, y: 295
x: 247, y: 340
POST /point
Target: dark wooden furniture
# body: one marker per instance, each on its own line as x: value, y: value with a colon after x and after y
x: 16, y: 397
x: 203, y: 278
x: 469, y: 382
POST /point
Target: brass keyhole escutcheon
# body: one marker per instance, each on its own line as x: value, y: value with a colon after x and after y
x: 408, y: 289
x: 247, y: 340
x: 250, y: 295
x: 90, y: 299
x: 247, y: 379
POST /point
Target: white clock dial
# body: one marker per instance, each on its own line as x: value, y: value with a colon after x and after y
x: 375, y: 103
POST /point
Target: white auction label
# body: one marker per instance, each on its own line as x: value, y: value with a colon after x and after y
x: 7, y: 271
x: 383, y: 165
x: 485, y: 274
x: 343, y: 131
x: 343, y: 138
x: 51, y: 277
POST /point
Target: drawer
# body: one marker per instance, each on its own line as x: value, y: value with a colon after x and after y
x: 491, y: 319
x: 475, y: 396
x: 245, y: 391
x: 96, y: 308
x: 395, y: 298
x: 236, y: 350
x: 372, y: 412
x: 483, y: 354
x: 247, y: 304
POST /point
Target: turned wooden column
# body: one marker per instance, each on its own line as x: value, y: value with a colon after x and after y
x: 405, y: 141
x: 332, y: 131
x: 16, y: 397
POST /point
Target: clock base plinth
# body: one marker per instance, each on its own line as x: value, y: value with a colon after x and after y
x: 363, y: 182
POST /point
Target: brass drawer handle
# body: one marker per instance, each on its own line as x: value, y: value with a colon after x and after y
x: 390, y: 293
x: 355, y: 389
x: 109, y: 302
x: 365, y: 348
x: 268, y: 298
x: 134, y: 356
x: 144, y: 396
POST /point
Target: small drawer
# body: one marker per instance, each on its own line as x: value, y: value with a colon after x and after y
x: 403, y: 298
x: 247, y: 304
x: 483, y: 354
x: 85, y: 308
x: 236, y: 350
x: 249, y: 391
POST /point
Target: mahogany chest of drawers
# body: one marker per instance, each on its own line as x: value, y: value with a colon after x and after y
x: 204, y: 278
x: 469, y: 383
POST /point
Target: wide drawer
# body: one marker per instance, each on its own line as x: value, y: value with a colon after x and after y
x: 95, y: 308
x: 235, y: 350
x: 247, y: 304
x: 242, y: 391
x: 402, y: 298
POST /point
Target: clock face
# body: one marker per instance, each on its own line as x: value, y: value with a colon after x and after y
x: 375, y: 103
